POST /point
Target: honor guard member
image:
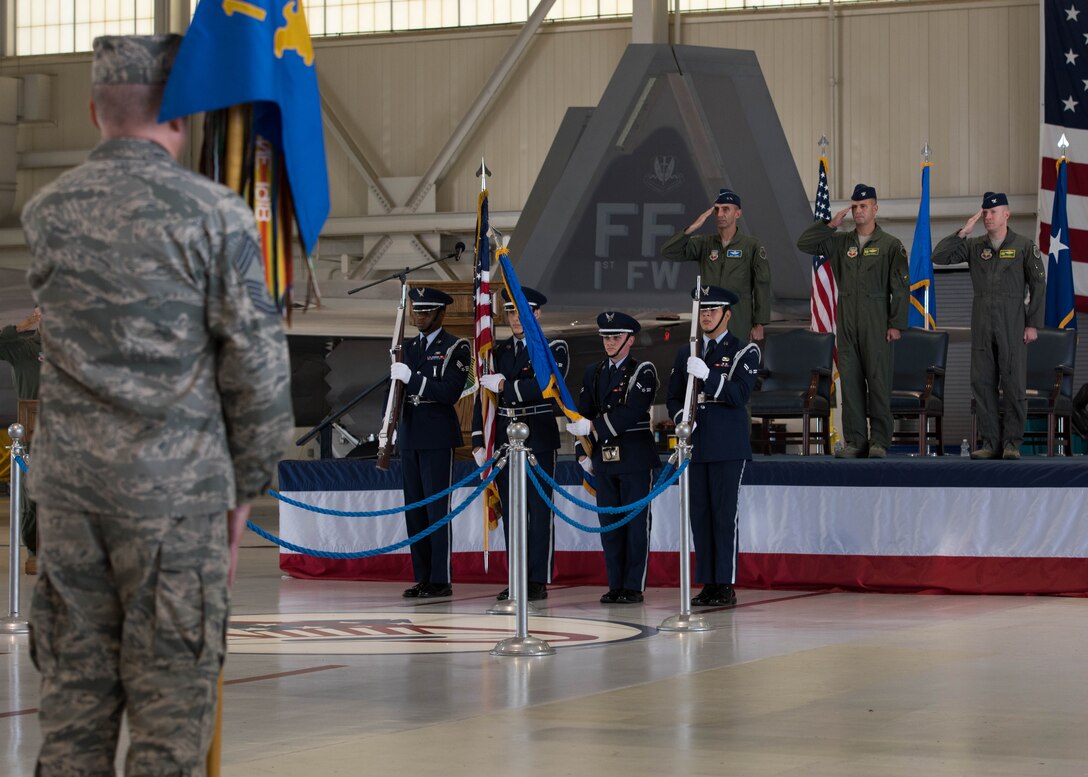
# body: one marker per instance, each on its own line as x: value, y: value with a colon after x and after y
x: 1003, y: 264
x: 727, y: 370
x: 166, y: 403
x: 873, y: 279
x: 433, y: 373
x: 615, y: 401
x: 730, y: 260
x: 520, y: 399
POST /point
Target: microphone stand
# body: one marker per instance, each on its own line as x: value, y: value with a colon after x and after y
x: 402, y: 276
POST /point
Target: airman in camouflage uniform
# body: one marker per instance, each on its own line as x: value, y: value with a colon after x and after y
x: 1002, y: 264
x: 873, y: 278
x: 731, y: 260
x: 165, y: 404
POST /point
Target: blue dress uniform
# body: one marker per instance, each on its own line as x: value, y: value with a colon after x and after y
x: 427, y: 434
x: 721, y: 447
x: 521, y: 400
x: 617, y: 399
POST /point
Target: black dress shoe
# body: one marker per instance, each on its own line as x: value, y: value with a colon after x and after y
x: 724, y: 596
x: 629, y: 596
x: 435, y: 591
x: 413, y: 592
x: 704, y: 598
x: 612, y: 597
x: 537, y: 591
x: 504, y: 594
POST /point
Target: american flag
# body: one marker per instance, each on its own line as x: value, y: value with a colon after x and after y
x: 1065, y: 110
x: 483, y: 338
x: 825, y: 294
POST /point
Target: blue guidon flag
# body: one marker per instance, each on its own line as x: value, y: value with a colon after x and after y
x: 1060, y: 312
x: 1064, y: 49
x: 260, y: 52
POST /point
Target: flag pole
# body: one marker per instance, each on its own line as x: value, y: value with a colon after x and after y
x: 929, y: 286
x: 824, y: 144
x: 484, y: 508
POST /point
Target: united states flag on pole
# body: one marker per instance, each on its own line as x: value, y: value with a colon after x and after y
x: 825, y: 294
x: 483, y: 339
x: 1064, y: 48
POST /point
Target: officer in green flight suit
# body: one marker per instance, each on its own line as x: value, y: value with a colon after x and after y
x: 873, y: 279
x: 1003, y: 264
x: 730, y: 260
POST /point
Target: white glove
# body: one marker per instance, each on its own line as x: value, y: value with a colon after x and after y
x: 697, y: 367
x: 586, y: 463
x: 401, y: 371
x: 580, y: 428
x: 493, y: 382
x: 479, y: 456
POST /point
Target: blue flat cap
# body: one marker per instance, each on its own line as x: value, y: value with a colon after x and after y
x: 532, y: 296
x: 428, y: 299
x: 863, y: 191
x: 715, y: 297
x: 727, y: 197
x: 612, y: 322
x: 994, y: 200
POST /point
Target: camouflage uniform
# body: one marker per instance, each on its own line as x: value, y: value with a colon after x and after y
x: 165, y: 402
x: 21, y: 350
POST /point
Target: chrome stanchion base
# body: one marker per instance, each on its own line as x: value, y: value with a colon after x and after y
x: 523, y: 646
x: 690, y: 622
x: 510, y: 607
x: 11, y: 625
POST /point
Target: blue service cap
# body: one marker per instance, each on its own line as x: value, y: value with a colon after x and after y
x: 994, y: 200
x: 532, y: 296
x: 424, y: 298
x: 715, y: 297
x: 613, y: 322
x: 863, y: 191
x: 727, y: 197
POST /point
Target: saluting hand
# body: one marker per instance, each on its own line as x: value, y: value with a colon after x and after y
x: 699, y: 221
x: 970, y: 224
x: 838, y: 218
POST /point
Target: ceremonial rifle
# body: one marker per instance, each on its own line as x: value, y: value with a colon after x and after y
x: 396, y: 389
x: 691, y: 392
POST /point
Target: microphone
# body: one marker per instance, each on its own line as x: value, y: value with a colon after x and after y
x: 457, y: 251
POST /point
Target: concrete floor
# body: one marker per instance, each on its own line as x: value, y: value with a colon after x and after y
x: 786, y: 683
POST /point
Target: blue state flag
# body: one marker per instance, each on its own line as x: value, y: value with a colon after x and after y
x: 921, y: 264
x: 259, y: 52
x: 1060, y: 311
x: 548, y: 378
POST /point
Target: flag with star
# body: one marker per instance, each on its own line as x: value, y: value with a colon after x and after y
x: 1060, y: 313
x: 1064, y: 48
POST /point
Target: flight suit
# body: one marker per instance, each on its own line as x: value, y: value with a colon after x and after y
x: 874, y: 290
x: 998, y: 318
x: 740, y: 266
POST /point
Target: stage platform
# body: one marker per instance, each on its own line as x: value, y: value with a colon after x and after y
x: 938, y: 524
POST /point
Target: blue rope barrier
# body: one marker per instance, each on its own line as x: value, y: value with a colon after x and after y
x: 21, y: 463
x: 664, y: 481
x: 549, y: 480
x: 388, y: 548
x: 388, y: 511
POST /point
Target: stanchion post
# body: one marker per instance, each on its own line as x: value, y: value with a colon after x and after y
x: 521, y: 644
x: 13, y: 624
x: 684, y: 621
x: 516, y: 590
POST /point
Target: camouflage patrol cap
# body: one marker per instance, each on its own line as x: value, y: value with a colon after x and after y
x: 133, y: 59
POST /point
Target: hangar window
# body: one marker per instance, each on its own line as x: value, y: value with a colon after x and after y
x: 64, y: 26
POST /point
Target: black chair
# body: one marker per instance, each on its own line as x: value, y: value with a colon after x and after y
x: 796, y: 383
x: 1049, y: 388
x: 918, y: 364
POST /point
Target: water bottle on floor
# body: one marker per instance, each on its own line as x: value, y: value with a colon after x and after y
x: 965, y: 449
